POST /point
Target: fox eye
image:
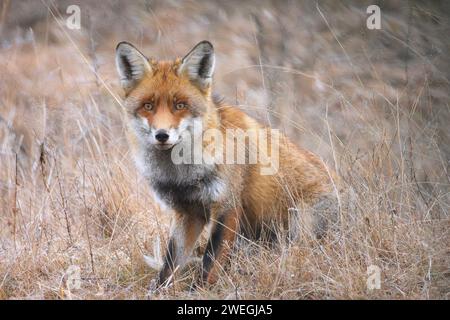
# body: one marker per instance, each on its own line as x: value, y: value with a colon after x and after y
x: 180, y: 105
x: 148, y: 106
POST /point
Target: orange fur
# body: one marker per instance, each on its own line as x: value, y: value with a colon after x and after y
x: 252, y: 200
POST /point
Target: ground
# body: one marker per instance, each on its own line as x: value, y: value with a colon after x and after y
x: 77, y: 220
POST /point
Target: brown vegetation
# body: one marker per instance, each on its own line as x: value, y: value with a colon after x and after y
x: 374, y: 104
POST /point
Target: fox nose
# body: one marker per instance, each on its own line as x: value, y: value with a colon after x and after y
x: 161, y: 136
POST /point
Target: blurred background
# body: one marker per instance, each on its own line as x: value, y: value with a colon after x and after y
x: 374, y: 104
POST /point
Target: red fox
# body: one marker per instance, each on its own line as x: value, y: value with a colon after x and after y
x: 169, y: 104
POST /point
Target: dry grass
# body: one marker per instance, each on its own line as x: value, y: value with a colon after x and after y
x: 373, y: 104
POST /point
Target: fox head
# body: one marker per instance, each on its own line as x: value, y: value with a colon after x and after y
x: 164, y: 100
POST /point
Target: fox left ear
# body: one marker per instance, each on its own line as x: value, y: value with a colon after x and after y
x: 131, y: 65
x: 198, y: 65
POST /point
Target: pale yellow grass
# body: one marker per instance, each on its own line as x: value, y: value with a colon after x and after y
x: 71, y: 196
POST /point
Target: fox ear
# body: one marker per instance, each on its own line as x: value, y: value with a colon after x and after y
x: 131, y: 65
x: 198, y: 65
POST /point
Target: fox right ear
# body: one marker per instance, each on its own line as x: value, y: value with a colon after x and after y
x: 198, y: 65
x: 131, y: 65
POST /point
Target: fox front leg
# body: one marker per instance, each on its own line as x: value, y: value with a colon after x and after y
x: 184, y: 234
x: 222, y: 238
